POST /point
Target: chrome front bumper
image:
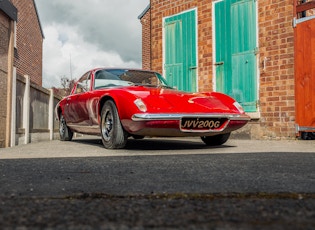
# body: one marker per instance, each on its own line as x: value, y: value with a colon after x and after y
x: 175, y: 116
x: 140, y: 124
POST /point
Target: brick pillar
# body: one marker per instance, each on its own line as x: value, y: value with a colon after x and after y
x: 146, y: 40
x: 6, y: 71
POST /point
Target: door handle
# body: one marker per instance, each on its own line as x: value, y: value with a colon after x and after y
x: 219, y: 63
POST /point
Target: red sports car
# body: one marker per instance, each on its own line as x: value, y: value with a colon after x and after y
x: 119, y: 103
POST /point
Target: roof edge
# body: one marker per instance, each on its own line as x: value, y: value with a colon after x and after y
x: 38, y: 18
x: 144, y: 11
x: 9, y: 9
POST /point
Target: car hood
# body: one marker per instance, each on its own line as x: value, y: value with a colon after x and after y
x: 169, y: 100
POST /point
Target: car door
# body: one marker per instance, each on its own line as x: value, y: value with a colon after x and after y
x: 77, y: 111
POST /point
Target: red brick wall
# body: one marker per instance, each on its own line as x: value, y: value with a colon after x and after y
x: 276, y: 52
x: 276, y: 43
x: 29, y: 41
x: 161, y: 9
x: 205, y: 42
x: 146, y: 40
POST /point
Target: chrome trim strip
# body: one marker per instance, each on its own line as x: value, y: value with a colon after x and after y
x: 80, y: 126
x: 303, y: 128
x: 175, y: 116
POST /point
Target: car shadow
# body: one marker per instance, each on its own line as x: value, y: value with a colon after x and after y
x: 155, y: 143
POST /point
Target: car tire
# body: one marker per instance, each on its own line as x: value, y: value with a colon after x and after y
x: 112, y: 132
x: 308, y: 135
x: 65, y: 132
x: 216, y: 140
x: 137, y: 137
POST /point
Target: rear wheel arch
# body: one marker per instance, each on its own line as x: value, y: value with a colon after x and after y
x: 59, y: 112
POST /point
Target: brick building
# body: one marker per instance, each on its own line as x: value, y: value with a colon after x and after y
x: 21, y: 40
x: 146, y: 38
x: 29, y: 41
x: 244, y: 48
x: 8, y: 17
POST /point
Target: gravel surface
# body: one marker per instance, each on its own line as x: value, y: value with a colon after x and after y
x: 166, y: 211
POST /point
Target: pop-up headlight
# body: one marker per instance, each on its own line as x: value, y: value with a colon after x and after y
x: 239, y: 107
x: 140, y: 104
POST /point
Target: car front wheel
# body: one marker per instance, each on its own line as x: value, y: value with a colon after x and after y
x: 65, y: 132
x: 113, y: 134
x: 216, y: 140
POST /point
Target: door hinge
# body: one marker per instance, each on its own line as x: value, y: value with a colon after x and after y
x: 294, y: 22
x: 219, y: 63
x: 256, y: 51
x: 257, y: 104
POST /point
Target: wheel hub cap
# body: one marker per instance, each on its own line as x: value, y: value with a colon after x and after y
x: 107, y: 126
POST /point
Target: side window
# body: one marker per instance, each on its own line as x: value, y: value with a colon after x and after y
x: 84, y: 83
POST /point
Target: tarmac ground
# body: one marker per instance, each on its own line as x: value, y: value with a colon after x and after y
x: 158, y: 184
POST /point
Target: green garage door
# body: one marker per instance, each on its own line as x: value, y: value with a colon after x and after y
x: 235, y: 44
x: 180, y: 51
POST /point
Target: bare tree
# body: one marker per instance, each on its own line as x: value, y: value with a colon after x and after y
x: 67, y: 85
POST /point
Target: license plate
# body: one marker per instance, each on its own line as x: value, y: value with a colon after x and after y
x: 201, y: 124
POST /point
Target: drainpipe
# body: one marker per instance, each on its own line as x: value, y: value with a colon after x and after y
x: 150, y: 34
x: 303, y: 15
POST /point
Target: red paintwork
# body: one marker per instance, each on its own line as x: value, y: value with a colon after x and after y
x: 82, y: 111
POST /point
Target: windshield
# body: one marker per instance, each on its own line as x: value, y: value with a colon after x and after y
x: 121, y: 77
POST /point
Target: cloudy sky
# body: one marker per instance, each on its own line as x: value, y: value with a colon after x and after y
x: 80, y: 35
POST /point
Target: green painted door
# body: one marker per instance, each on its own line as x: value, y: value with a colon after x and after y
x: 235, y: 56
x: 180, y: 51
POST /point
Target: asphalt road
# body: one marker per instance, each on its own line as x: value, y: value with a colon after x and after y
x: 272, y: 180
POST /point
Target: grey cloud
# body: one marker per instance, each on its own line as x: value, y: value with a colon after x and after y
x: 112, y: 26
